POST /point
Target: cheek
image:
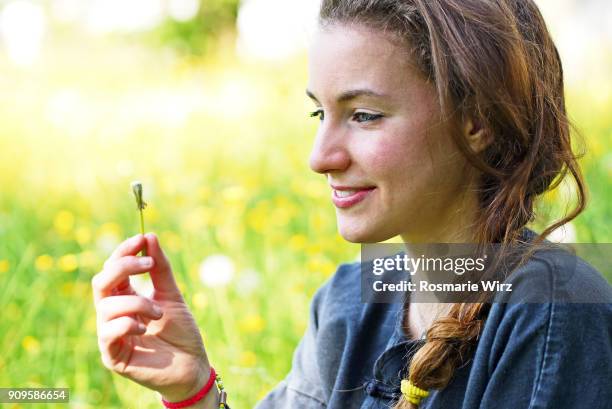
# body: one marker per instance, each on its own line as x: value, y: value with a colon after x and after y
x: 398, y: 155
x: 411, y: 164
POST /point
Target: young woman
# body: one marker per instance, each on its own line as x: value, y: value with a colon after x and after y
x: 440, y: 121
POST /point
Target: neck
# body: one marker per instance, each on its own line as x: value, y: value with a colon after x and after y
x: 454, y: 226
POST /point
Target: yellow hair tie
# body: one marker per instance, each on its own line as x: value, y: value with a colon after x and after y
x: 413, y: 393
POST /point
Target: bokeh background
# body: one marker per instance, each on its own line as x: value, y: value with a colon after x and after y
x: 203, y: 101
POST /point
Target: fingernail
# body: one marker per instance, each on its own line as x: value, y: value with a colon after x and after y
x: 141, y: 327
x: 145, y: 261
x: 157, y: 310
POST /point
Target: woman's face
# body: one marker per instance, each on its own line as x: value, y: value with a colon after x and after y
x: 392, y: 166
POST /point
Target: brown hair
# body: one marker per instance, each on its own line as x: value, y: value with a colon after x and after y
x: 492, y: 61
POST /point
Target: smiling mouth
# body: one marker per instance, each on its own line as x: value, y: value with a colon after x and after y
x: 344, y: 193
x: 345, y: 197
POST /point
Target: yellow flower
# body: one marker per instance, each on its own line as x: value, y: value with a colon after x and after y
x: 171, y: 241
x: 297, y: 186
x: 283, y: 213
x: 297, y: 288
x: 82, y: 235
x: 88, y: 259
x: 199, y: 301
x: 551, y: 196
x: 281, y: 217
x: 68, y: 263
x: 31, y: 345
x: 315, y: 189
x: 320, y: 264
x: 257, y: 218
x: 110, y: 228
x: 251, y: 181
x: 297, y: 242
x: 252, y: 323
x: 314, y: 249
x: 4, y: 266
x: 234, y: 194
x: 204, y: 193
x: 90, y: 324
x: 152, y: 213
x: 67, y: 288
x: 248, y: 359
x: 43, y: 262
x: 319, y: 222
x: 182, y: 287
x: 263, y: 392
x: 63, y: 222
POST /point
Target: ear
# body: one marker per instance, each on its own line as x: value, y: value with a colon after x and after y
x: 477, y: 137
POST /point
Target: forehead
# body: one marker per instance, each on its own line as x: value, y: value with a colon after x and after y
x: 346, y: 56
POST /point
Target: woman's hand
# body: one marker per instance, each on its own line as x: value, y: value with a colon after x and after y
x: 152, y: 341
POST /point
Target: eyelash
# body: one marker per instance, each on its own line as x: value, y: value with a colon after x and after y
x: 372, y: 117
x: 318, y: 112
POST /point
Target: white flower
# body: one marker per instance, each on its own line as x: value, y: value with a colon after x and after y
x: 563, y: 234
x: 217, y: 270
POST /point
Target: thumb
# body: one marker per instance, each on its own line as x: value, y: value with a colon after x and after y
x: 161, y: 273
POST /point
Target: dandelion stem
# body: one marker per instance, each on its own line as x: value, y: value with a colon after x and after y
x: 142, y: 231
x: 140, y: 204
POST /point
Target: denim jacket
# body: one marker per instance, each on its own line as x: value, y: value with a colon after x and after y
x: 554, y: 355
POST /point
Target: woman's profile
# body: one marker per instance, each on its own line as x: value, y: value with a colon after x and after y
x: 441, y: 121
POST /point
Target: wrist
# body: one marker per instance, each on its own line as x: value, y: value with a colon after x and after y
x: 185, y: 391
x: 210, y: 401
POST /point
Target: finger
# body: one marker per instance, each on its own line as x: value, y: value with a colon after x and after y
x: 110, y: 308
x: 116, y: 272
x: 161, y: 274
x: 111, y: 331
x: 129, y: 247
x: 124, y: 288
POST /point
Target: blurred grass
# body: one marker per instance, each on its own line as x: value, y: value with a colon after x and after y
x: 221, y: 146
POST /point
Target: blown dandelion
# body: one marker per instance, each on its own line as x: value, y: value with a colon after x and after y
x: 217, y: 270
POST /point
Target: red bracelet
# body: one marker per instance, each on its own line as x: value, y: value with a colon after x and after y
x: 195, y: 398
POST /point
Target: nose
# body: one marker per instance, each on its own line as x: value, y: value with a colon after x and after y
x: 329, y: 152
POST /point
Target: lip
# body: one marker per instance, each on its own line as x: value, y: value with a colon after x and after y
x: 361, y: 193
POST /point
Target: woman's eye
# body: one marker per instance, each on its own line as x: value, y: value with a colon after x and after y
x: 319, y: 113
x: 365, y: 116
x: 357, y: 116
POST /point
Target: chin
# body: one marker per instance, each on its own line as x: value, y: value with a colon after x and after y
x: 360, y: 232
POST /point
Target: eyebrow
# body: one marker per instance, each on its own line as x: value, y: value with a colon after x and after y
x: 351, y: 94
